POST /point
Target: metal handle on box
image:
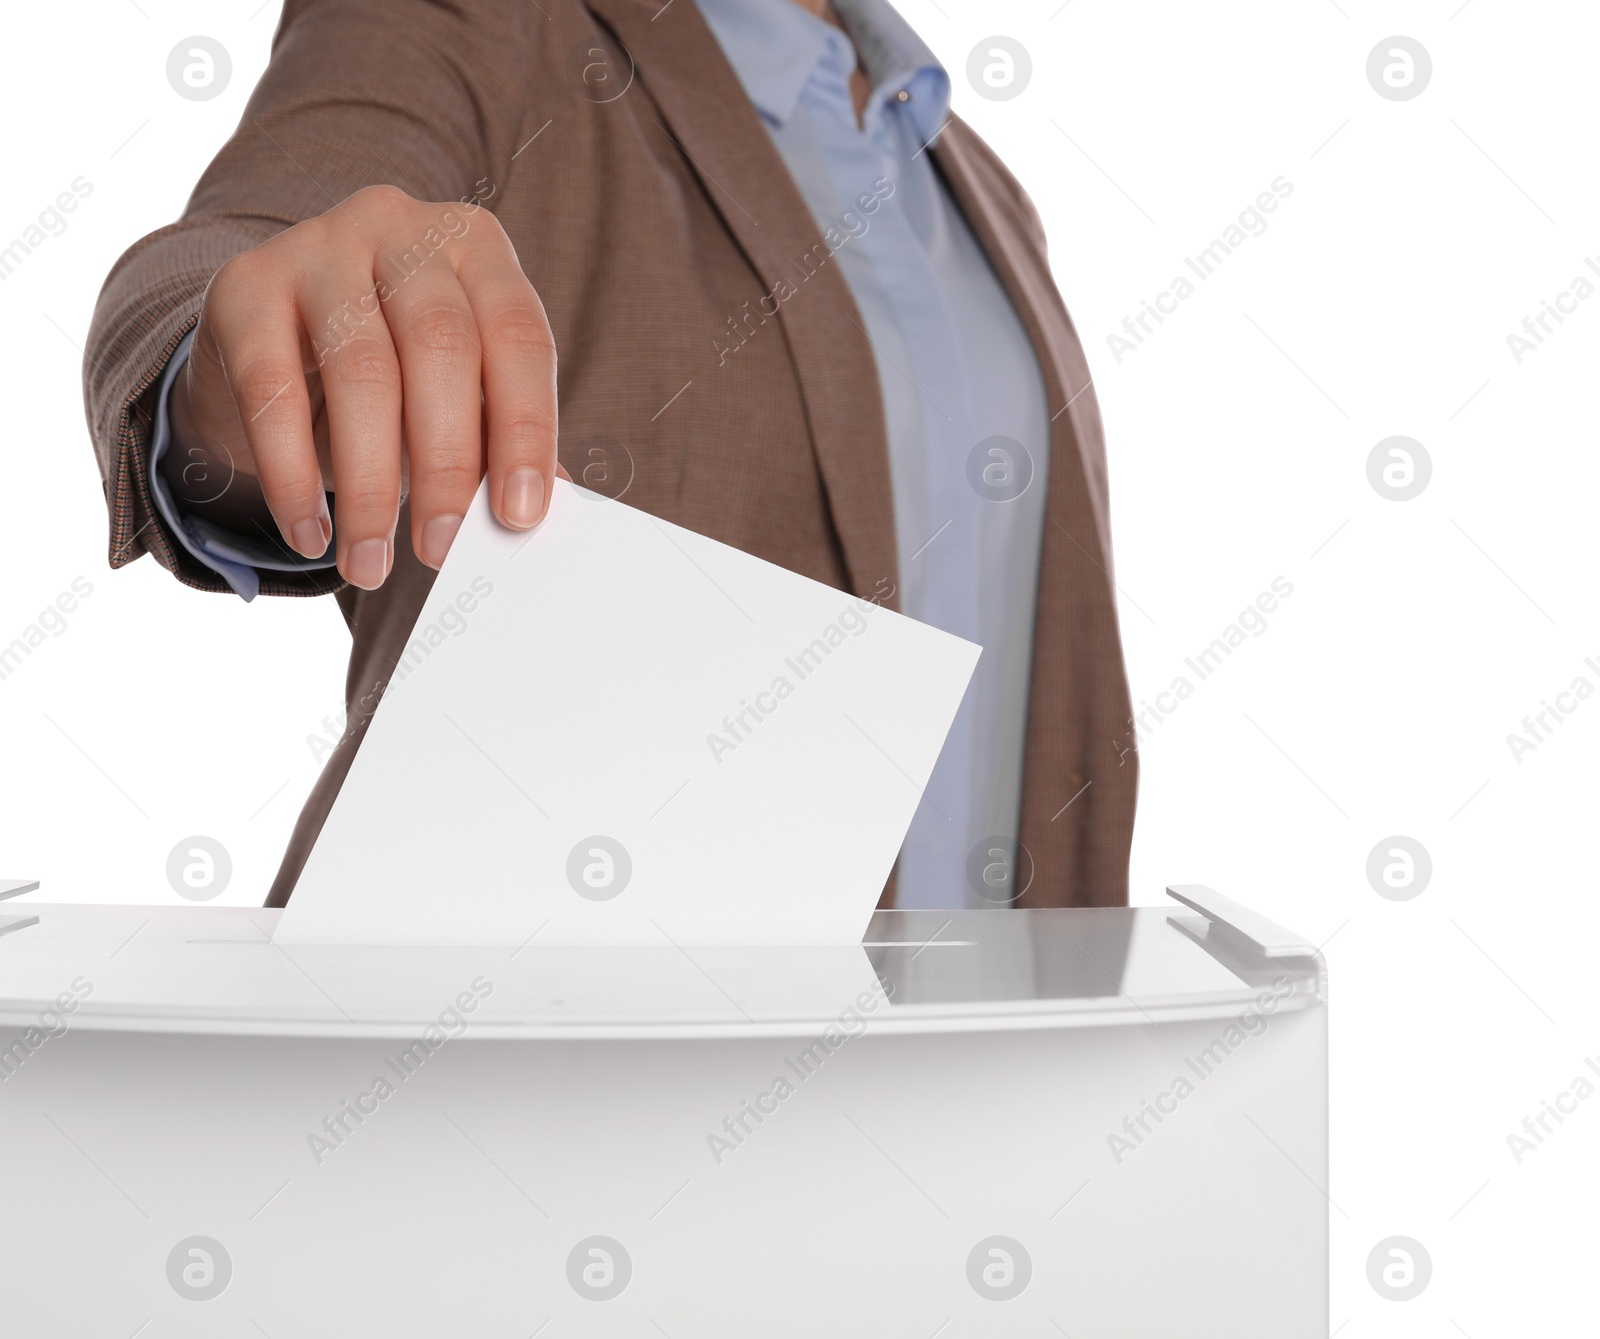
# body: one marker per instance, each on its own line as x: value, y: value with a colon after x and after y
x: 15, y: 888
x: 1268, y: 938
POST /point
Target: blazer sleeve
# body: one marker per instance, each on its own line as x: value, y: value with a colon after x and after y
x: 425, y: 95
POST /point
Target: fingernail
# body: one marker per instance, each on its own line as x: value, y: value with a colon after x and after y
x: 437, y: 536
x: 367, y: 563
x: 309, y: 537
x: 522, y: 502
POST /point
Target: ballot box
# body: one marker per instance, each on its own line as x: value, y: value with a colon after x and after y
x: 1098, y: 1123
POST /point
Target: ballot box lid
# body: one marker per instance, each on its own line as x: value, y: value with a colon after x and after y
x: 209, y: 970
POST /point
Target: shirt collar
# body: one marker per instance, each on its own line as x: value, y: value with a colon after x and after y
x: 897, y: 60
x: 774, y: 45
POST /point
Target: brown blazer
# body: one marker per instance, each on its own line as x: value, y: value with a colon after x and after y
x: 645, y: 222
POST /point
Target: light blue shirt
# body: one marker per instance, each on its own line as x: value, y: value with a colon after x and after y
x: 963, y: 397
x: 964, y: 400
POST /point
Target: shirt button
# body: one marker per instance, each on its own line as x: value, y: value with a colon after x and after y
x: 904, y: 95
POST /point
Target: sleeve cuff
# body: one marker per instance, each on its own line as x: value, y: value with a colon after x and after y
x: 238, y: 559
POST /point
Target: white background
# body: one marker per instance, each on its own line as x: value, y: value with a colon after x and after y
x: 1377, y: 702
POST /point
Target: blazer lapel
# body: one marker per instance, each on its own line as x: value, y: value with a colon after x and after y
x: 1077, y: 463
x: 705, y: 112
x: 1077, y: 803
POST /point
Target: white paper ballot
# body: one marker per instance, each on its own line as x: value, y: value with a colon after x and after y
x: 612, y: 730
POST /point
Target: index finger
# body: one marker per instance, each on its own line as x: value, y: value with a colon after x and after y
x: 251, y: 326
